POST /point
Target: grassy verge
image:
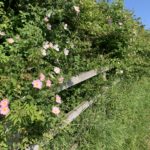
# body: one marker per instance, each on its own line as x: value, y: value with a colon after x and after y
x: 121, y: 119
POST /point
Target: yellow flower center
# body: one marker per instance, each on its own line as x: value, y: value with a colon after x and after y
x: 36, y: 84
x: 5, y: 109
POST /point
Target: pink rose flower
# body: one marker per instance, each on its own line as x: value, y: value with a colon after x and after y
x: 66, y: 51
x: 51, y: 45
x: 37, y: 84
x: 43, y: 51
x: 55, y: 110
x: 42, y: 77
x: 2, y: 33
x: 58, y: 99
x: 10, y: 40
x: 120, y: 23
x: 65, y: 26
x: 4, y: 110
x: 49, y: 27
x: 57, y: 70
x: 4, y: 103
x: 48, y: 83
x: 46, y: 45
x: 77, y: 9
x: 56, y: 47
x: 46, y: 19
x: 60, y: 80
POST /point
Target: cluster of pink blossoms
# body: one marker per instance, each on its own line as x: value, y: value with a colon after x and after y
x: 4, y: 109
x: 38, y: 83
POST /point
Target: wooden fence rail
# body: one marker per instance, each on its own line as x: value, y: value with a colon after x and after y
x: 82, y: 77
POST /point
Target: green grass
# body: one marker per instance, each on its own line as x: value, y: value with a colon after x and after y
x: 120, y: 120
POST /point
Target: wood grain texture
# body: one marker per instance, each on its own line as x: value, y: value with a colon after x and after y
x: 82, y: 77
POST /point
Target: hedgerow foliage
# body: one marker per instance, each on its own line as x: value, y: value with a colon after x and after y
x: 43, y: 42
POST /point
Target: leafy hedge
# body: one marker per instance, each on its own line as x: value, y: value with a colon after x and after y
x: 42, y: 43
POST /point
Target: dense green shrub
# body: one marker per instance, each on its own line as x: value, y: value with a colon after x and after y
x: 58, y: 39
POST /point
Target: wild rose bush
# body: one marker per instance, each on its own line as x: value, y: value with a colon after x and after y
x: 42, y: 44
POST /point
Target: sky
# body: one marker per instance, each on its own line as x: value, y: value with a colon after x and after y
x: 141, y: 8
